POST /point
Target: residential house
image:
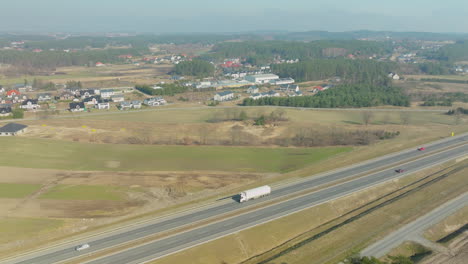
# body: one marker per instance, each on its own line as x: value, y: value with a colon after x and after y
x: 73, y: 90
x: 22, y: 87
x: 117, y: 98
x: 2, y: 90
x: 5, y: 110
x: 155, y: 101
x: 107, y: 93
x: 252, y: 90
x: 256, y: 96
x: 289, y: 87
x: 30, y: 104
x: 273, y: 94
x: 125, y: 105
x: 93, y: 100
x: 295, y: 93
x: 261, y: 78
x: 224, y: 96
x: 87, y: 93
x: 317, y: 88
x: 42, y: 97
x: 136, y: 104
x: 12, y: 129
x: 12, y: 93
x: 77, y: 107
x: 99, y: 64
x: 102, y: 105
x: 66, y: 96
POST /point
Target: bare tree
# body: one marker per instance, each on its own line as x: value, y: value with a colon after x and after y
x: 405, y: 118
x: 236, y: 134
x: 367, y: 117
x: 204, y: 132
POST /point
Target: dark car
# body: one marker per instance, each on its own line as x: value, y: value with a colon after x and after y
x: 399, y: 170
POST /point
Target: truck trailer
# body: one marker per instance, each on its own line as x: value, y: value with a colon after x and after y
x: 254, y: 193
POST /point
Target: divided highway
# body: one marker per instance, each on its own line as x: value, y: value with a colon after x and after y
x: 199, y: 235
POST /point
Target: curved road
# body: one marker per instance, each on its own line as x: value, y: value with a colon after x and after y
x: 183, y: 240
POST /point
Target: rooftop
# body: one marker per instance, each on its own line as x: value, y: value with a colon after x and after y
x: 12, y: 128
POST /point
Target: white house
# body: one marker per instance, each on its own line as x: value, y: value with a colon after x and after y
x: 125, y: 105
x: 289, y: 87
x: 256, y: 96
x: 118, y: 98
x: 30, y: 104
x: 252, y: 90
x: 12, y: 129
x: 44, y: 97
x: 77, y: 107
x: 137, y: 104
x: 107, y: 93
x: 105, y: 105
x: 261, y: 78
x: 155, y: 101
x: 224, y: 96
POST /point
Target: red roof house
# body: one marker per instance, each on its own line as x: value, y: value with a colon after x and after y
x: 12, y: 93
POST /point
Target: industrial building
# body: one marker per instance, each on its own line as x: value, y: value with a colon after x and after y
x: 261, y: 78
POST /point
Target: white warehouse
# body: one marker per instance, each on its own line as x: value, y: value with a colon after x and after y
x: 261, y: 78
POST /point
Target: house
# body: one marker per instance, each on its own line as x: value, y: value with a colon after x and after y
x: 2, y: 90
x: 256, y: 96
x: 261, y: 78
x: 22, y: 87
x: 102, y: 105
x: 77, y: 107
x: 107, y: 93
x: 125, y: 105
x: 99, y: 64
x: 93, y: 100
x: 66, y: 96
x: 273, y: 94
x: 224, y: 96
x: 42, y: 97
x: 295, y: 93
x: 86, y: 93
x: 117, y: 98
x: 155, y: 101
x: 317, y: 88
x: 289, y: 87
x: 394, y: 76
x: 73, y: 90
x: 252, y: 90
x: 177, y: 78
x: 12, y: 93
x: 5, y: 110
x: 30, y: 104
x: 12, y: 129
x: 136, y: 104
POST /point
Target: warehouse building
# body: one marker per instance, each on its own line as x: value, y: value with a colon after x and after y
x: 261, y: 78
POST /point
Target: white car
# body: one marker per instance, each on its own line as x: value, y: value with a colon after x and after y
x: 82, y: 247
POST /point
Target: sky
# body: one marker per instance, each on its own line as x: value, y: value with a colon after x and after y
x: 187, y: 16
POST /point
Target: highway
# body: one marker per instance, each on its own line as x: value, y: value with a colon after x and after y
x: 183, y: 240
x: 415, y: 228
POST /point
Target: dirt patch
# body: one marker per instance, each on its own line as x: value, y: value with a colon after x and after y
x: 458, y: 253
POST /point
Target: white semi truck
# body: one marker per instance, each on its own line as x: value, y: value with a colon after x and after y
x: 254, y: 193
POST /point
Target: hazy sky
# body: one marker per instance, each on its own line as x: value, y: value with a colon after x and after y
x: 232, y: 16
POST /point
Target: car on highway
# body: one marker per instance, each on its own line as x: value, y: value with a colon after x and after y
x: 421, y: 148
x: 82, y: 247
x: 399, y: 170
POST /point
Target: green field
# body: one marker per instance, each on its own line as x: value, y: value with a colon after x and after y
x: 17, y: 190
x: 15, y: 229
x: 54, y: 154
x: 83, y: 192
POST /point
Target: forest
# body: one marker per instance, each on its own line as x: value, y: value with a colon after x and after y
x: 352, y: 95
x: 452, y: 52
x: 167, y: 89
x: 197, y: 68
x: 259, y: 52
x: 351, y: 71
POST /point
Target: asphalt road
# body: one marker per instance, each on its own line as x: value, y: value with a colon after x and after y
x: 183, y: 240
x: 415, y: 228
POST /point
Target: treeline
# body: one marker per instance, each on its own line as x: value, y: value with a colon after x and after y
x: 167, y: 89
x: 259, y: 51
x: 373, y: 260
x: 444, y: 80
x: 435, y: 68
x: 452, y: 52
x: 340, y: 96
x: 443, y: 99
x: 197, y: 68
x: 351, y: 71
x: 459, y: 110
x: 47, y: 60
